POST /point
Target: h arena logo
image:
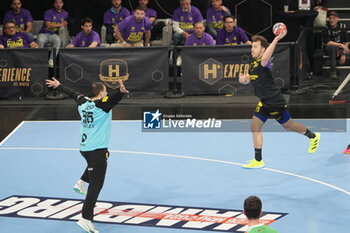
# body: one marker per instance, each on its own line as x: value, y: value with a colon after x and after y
x: 113, y: 70
x: 152, y: 215
x: 211, y: 71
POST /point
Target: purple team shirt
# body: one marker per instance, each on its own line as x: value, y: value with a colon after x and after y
x: 187, y: 19
x: 216, y: 17
x: 133, y: 31
x: 20, y: 19
x: 206, y: 39
x: 19, y: 40
x: 235, y: 37
x: 149, y: 13
x: 53, y: 16
x: 81, y: 40
x: 114, y: 18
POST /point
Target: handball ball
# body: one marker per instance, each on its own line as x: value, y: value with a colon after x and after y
x: 278, y: 28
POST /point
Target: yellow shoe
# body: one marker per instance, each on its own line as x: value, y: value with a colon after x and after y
x: 314, y: 143
x: 254, y: 164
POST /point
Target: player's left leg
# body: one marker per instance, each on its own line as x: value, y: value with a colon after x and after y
x: 288, y: 124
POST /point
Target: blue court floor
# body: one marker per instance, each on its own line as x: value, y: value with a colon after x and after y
x: 164, y: 182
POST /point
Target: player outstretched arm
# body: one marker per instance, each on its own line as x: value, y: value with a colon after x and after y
x: 269, y: 51
x: 109, y: 102
x: 56, y: 84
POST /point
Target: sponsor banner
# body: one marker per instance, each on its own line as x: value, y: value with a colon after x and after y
x: 23, y: 72
x: 161, y: 120
x: 136, y: 214
x: 215, y: 69
x: 142, y: 69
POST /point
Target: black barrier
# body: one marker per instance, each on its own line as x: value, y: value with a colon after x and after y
x: 215, y: 69
x: 142, y: 69
x: 23, y: 72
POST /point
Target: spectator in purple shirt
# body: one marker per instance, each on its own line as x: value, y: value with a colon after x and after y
x: 54, y: 18
x: 13, y: 39
x: 231, y: 34
x: 199, y: 37
x: 184, y: 18
x: 157, y: 27
x: 215, y: 17
x: 113, y: 17
x: 87, y: 37
x: 135, y: 30
x: 22, y: 17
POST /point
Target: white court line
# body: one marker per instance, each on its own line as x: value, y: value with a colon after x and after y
x: 188, y: 157
x: 13, y: 131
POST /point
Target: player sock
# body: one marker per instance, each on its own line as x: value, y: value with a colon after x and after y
x: 309, y: 134
x: 258, y: 156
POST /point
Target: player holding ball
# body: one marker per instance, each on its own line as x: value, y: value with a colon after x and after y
x: 272, y: 103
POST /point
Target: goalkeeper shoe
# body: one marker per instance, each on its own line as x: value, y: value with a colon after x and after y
x: 347, y: 150
x: 79, y: 187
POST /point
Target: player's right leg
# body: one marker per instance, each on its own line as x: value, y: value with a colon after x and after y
x: 258, y: 122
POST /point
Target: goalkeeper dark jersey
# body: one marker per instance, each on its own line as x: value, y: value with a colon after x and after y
x: 264, y: 84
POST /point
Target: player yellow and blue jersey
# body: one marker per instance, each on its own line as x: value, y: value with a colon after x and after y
x: 272, y: 103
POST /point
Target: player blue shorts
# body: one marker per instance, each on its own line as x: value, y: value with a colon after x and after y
x: 279, y: 113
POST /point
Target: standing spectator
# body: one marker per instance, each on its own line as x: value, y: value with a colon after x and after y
x: 22, y: 17
x: 252, y: 210
x: 135, y: 30
x: 87, y: 37
x: 157, y: 28
x: 215, y: 17
x: 54, y: 18
x: 113, y: 17
x: 231, y: 34
x: 184, y: 18
x: 337, y: 42
x: 13, y: 39
x: 199, y: 37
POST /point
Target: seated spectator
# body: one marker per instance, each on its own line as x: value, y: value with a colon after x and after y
x: 199, y: 37
x: 113, y: 17
x: 231, y: 34
x: 184, y: 18
x: 87, y: 37
x: 22, y: 17
x: 135, y: 30
x: 215, y: 17
x: 54, y: 18
x: 337, y: 43
x: 13, y: 39
x: 157, y: 28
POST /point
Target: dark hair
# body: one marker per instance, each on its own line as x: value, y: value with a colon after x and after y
x: 14, y: 0
x: 96, y: 88
x: 262, y: 40
x: 9, y: 21
x: 140, y: 8
x: 252, y: 207
x: 229, y: 16
x: 198, y: 23
x: 56, y: 0
x: 86, y: 20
